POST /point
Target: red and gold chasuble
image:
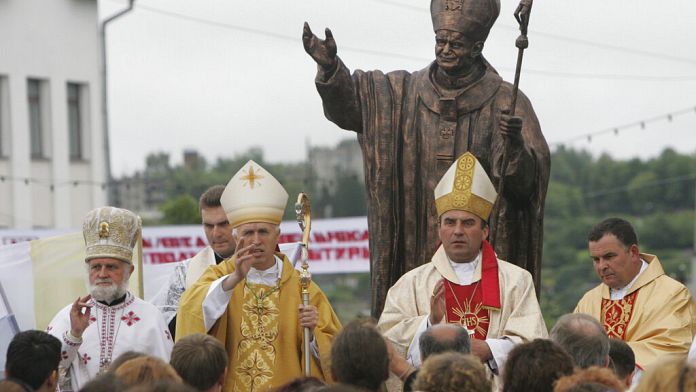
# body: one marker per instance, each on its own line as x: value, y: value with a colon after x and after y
x: 465, y: 307
x: 617, y: 314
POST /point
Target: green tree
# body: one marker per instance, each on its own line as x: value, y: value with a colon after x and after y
x: 180, y: 210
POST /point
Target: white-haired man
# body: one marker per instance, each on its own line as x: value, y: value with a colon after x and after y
x: 252, y: 301
x: 110, y: 320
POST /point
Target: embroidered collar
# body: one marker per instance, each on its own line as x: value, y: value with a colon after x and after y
x: 127, y: 300
x: 616, y: 294
x: 466, y: 272
x: 269, y: 276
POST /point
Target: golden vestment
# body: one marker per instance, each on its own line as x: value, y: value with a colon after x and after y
x: 662, y: 320
x: 260, y: 328
x: 408, y: 302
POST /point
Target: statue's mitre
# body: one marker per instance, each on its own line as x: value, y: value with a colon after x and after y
x: 253, y: 195
x: 110, y: 232
x: 473, y: 18
x: 466, y: 187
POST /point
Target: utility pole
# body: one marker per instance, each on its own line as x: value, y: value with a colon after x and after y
x: 105, y: 99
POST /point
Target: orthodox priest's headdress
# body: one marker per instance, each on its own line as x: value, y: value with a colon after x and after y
x: 110, y: 232
x: 253, y: 195
x: 465, y: 186
x: 473, y: 18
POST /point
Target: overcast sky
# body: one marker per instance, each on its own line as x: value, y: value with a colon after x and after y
x: 220, y: 76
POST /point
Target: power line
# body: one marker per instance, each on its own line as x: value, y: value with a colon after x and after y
x: 381, y: 53
x: 616, y: 48
x: 641, y: 124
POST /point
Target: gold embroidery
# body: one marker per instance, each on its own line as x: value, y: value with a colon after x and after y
x: 617, y: 314
x: 259, y: 329
x: 251, y: 177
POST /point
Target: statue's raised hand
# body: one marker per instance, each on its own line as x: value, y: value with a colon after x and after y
x: 322, y: 51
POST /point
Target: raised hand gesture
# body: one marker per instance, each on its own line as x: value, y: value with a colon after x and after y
x: 322, y: 51
x: 243, y: 258
x: 79, y: 320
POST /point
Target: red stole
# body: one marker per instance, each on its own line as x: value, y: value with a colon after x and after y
x: 469, y: 305
x: 464, y: 306
x: 617, y: 314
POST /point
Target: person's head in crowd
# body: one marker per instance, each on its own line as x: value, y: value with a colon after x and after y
x: 613, y: 246
x: 146, y: 370
x: 452, y: 372
x: 591, y: 379
x: 583, y: 338
x: 673, y: 374
x: 441, y: 338
x: 622, y: 360
x: 107, y: 382
x: 201, y: 361
x: 535, y: 366
x: 359, y: 356
x: 340, y: 388
x: 10, y: 385
x: 162, y: 386
x: 302, y: 384
x: 125, y: 356
x: 33, y: 358
x: 217, y: 228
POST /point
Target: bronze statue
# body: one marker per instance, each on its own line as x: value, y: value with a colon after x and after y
x: 412, y: 126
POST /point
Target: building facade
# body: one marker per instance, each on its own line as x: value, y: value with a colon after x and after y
x: 52, y: 164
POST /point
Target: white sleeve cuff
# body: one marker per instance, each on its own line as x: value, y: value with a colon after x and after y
x: 414, y: 355
x: 215, y: 303
x: 315, y: 349
x: 500, y: 348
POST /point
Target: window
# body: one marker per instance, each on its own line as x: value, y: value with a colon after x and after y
x: 4, y: 117
x: 75, y: 121
x: 36, y: 120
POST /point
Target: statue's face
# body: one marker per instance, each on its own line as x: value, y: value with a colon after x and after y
x: 455, y: 53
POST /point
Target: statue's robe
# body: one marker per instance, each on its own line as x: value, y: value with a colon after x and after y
x: 656, y: 317
x: 410, y: 131
x: 263, y: 339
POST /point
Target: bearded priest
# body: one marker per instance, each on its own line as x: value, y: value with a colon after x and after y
x: 109, y: 321
x: 464, y: 283
x: 252, y: 301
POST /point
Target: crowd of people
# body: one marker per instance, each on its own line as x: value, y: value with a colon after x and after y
x: 465, y: 321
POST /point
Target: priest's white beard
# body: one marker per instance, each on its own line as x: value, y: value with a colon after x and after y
x: 111, y: 293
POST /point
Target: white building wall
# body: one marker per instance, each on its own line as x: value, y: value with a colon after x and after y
x: 56, y: 41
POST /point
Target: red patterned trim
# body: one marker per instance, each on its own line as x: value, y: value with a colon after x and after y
x: 71, y: 340
x: 617, y: 314
x: 489, y: 276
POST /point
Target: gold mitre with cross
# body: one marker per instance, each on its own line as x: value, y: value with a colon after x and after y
x: 110, y: 232
x: 253, y: 195
x: 465, y: 186
x: 473, y: 18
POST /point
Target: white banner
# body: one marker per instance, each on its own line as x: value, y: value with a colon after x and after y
x: 336, y: 246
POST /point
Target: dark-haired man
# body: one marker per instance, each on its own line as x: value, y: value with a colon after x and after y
x: 465, y: 283
x: 33, y: 358
x: 636, y: 301
x: 221, y: 245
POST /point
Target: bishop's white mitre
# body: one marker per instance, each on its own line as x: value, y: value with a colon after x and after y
x: 253, y: 195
